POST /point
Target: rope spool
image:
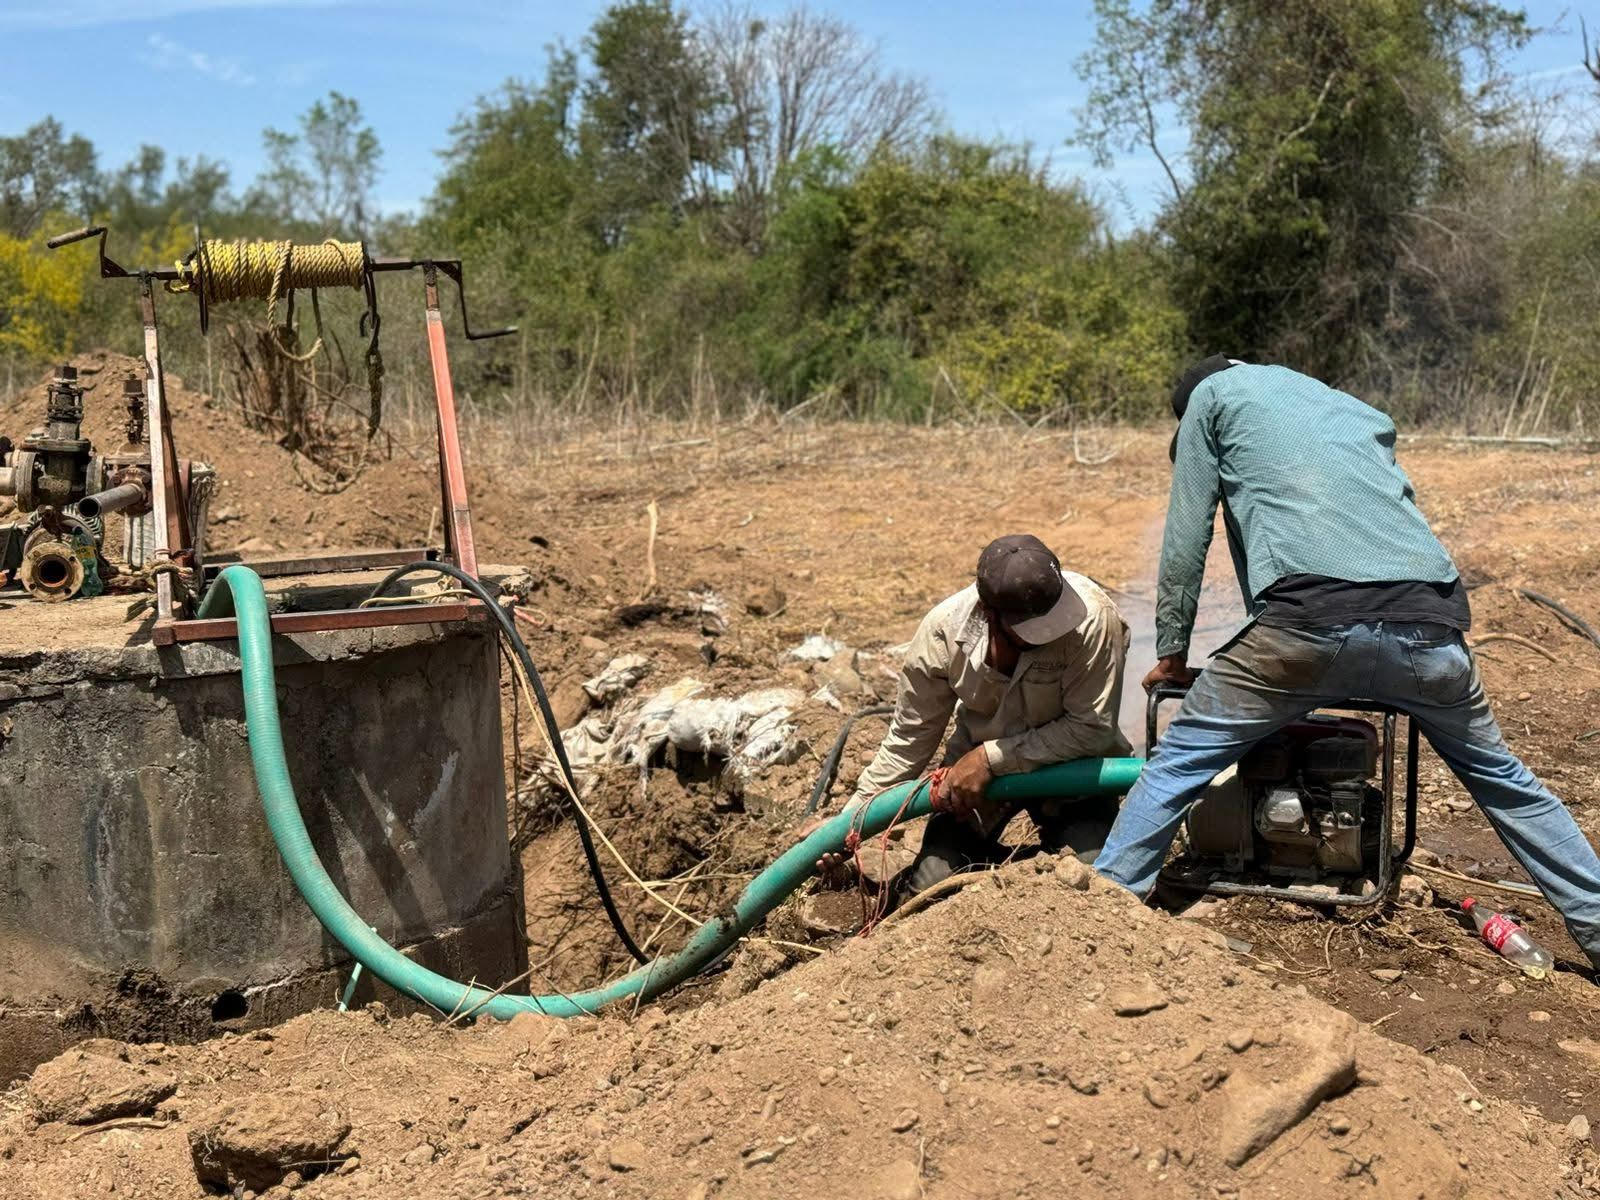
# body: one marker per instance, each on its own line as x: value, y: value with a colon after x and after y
x: 219, y: 272
x: 244, y: 270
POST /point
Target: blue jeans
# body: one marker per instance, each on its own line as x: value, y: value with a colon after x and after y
x: 1269, y: 677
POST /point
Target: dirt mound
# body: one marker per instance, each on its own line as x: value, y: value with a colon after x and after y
x: 1023, y: 1038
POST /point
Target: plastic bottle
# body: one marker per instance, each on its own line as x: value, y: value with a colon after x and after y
x: 1509, y: 939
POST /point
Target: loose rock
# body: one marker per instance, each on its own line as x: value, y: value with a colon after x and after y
x: 1260, y: 1113
x: 1387, y: 975
x: 85, y: 1087
x: 1135, y: 1002
x: 1414, y: 892
x: 765, y: 600
x: 842, y: 673
x: 1538, y: 1016
x: 1073, y: 873
x: 258, y: 1140
x: 627, y: 1154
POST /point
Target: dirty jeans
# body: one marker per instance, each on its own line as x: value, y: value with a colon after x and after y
x: 951, y: 843
x: 1269, y: 677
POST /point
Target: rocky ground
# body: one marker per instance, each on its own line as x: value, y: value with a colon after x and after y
x: 1024, y: 1038
x: 987, y: 1025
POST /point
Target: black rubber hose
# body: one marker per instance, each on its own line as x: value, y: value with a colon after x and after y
x: 1568, y: 618
x: 830, y: 765
x: 508, y: 630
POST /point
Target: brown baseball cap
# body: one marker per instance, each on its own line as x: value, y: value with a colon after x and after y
x: 1020, y: 579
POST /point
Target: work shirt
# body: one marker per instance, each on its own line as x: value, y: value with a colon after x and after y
x: 1060, y: 702
x: 1308, y: 483
x: 1316, y: 602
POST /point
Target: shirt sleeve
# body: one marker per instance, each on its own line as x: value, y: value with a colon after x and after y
x: 1091, y: 694
x: 1191, y: 513
x: 922, y: 712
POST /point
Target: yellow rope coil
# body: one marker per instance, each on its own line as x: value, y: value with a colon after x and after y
x: 221, y: 271
x: 243, y: 270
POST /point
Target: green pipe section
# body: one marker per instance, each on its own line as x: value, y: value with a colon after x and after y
x: 247, y: 599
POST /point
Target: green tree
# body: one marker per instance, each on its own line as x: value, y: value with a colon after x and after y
x: 1316, y: 130
x: 958, y: 270
x: 648, y: 112
x: 324, y: 173
x: 44, y: 171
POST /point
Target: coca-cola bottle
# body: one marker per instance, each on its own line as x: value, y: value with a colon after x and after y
x: 1509, y: 939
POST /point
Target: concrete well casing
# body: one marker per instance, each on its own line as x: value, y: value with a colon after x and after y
x: 141, y: 894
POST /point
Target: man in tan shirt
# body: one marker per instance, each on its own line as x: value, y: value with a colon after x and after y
x: 1029, y: 660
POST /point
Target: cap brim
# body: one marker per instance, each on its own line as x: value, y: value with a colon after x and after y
x: 1066, y: 615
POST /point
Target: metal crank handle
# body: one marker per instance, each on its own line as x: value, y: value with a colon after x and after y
x: 77, y: 235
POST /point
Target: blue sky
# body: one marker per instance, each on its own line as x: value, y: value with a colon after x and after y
x: 205, y: 76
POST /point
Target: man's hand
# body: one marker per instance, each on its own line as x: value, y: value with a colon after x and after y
x: 964, y: 783
x: 836, y: 871
x: 1174, y: 668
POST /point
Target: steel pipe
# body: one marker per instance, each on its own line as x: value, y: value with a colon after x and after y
x: 116, y: 499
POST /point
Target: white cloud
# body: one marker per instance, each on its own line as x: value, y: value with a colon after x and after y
x: 164, y: 54
x: 297, y: 74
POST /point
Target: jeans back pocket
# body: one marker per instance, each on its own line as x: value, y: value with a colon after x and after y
x: 1441, y: 666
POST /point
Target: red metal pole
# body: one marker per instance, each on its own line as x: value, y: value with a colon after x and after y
x: 456, y: 511
x: 164, y: 497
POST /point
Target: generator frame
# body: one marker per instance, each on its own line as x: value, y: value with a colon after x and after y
x: 1389, y: 858
x: 174, y: 622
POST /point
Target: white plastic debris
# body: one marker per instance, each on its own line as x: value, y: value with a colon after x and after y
x: 824, y: 695
x: 722, y: 726
x: 819, y: 647
x: 770, y: 741
x: 749, y: 732
x: 713, y: 612
x: 621, y: 675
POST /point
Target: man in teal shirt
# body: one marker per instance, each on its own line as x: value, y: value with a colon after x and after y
x: 1350, y: 595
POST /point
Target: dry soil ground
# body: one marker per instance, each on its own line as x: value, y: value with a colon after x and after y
x: 980, y: 1018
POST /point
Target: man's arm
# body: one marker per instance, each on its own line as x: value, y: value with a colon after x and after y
x: 1091, y: 692
x: 921, y: 714
x: 1191, y: 512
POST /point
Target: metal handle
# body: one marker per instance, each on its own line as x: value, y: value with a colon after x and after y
x: 77, y: 235
x: 452, y: 270
x: 1158, y: 694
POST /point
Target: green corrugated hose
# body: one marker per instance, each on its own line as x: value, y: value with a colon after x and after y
x: 239, y: 588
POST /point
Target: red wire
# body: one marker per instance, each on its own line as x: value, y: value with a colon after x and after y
x: 869, y: 922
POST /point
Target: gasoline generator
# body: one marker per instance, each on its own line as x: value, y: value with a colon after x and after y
x: 1307, y: 814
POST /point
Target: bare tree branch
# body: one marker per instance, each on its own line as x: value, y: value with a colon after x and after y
x: 804, y: 82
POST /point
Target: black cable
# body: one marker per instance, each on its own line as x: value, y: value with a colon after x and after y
x: 830, y: 765
x: 508, y: 630
x: 1568, y: 618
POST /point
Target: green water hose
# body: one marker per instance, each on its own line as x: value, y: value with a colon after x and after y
x: 1086, y: 777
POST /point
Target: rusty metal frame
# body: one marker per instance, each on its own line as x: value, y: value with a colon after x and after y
x: 460, y: 546
x: 322, y: 564
x: 210, y: 629
x: 168, y: 488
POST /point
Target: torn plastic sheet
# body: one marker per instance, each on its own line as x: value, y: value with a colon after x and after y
x: 749, y: 732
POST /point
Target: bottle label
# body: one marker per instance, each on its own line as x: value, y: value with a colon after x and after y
x: 1497, y: 929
